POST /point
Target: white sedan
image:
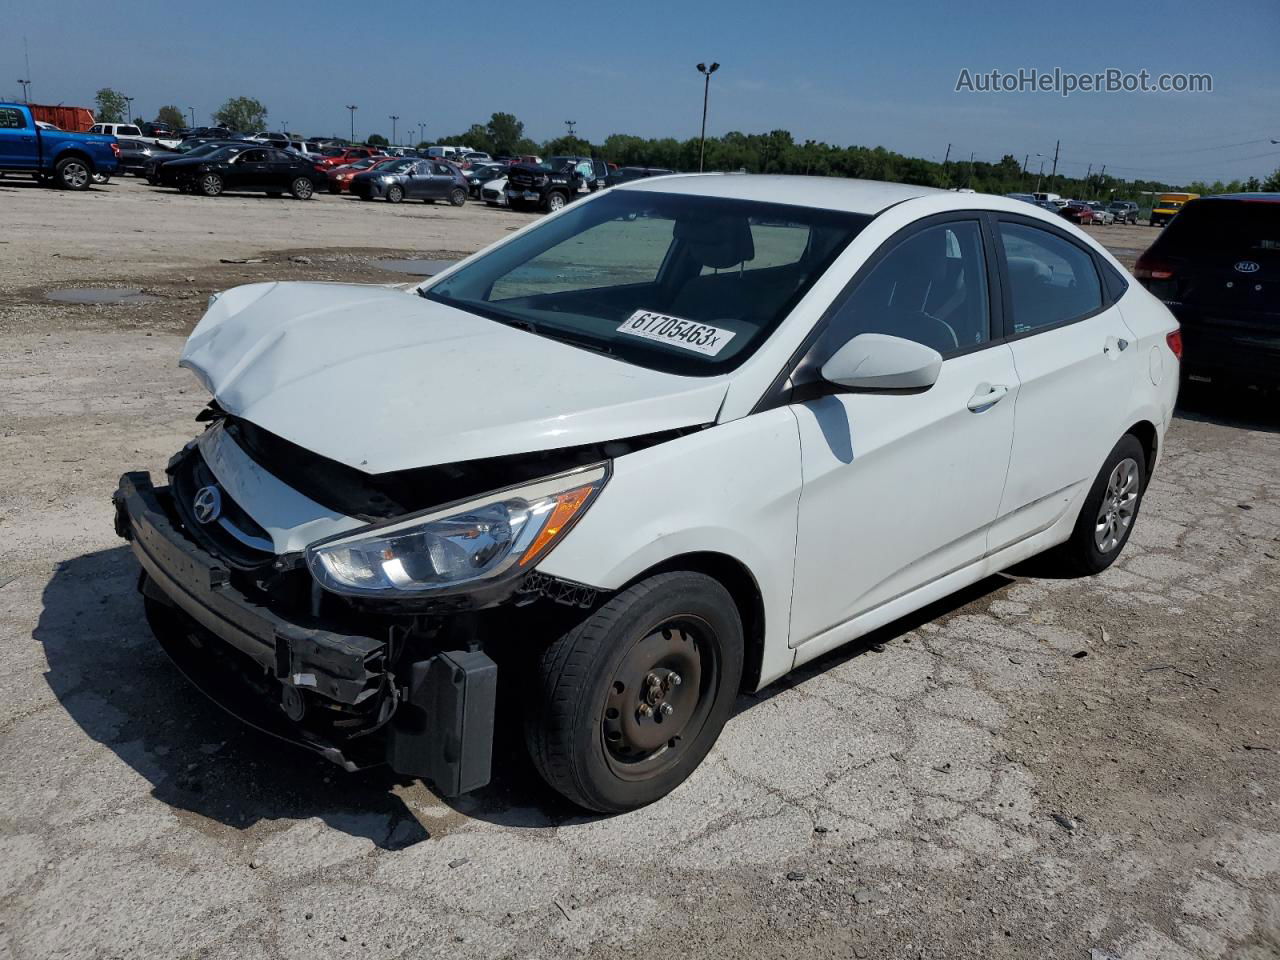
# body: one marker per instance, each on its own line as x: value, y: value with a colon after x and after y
x: 644, y: 454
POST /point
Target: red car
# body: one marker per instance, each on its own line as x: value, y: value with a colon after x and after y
x: 1079, y: 212
x: 341, y: 156
x: 340, y: 177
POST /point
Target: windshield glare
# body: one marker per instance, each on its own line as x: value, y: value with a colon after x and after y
x: 683, y: 284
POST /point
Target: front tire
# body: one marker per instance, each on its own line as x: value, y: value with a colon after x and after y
x: 626, y: 704
x: 556, y: 201
x: 72, y: 173
x: 302, y: 188
x: 211, y: 185
x: 395, y: 193
x: 1110, y: 510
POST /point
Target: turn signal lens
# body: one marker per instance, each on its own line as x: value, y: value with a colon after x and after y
x: 1175, y: 343
x: 1149, y: 268
x: 566, y: 508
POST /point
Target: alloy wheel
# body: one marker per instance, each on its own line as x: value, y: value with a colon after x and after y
x: 1119, y: 503
x: 75, y: 174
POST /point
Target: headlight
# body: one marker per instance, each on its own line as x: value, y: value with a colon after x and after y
x: 388, y: 179
x: 502, y: 534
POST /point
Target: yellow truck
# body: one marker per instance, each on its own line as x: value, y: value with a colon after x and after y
x: 1167, y: 206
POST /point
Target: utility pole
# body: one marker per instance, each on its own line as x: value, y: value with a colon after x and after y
x: 129, y: 105
x: 393, y: 118
x: 192, y: 111
x: 969, y: 182
x: 945, y: 159
x: 353, y: 108
x: 1040, y: 175
x: 569, y: 125
x: 1057, y: 144
x: 706, y: 90
x: 1025, y: 158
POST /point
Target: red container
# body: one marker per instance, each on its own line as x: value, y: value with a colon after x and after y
x: 74, y: 119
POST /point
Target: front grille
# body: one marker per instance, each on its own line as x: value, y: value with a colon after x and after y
x: 233, y: 535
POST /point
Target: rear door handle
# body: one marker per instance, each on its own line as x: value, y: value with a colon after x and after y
x: 987, y: 396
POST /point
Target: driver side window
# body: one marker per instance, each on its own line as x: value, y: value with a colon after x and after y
x: 930, y: 288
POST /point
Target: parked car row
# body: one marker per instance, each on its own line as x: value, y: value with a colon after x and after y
x: 1082, y: 211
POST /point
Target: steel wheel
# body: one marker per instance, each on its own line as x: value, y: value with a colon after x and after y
x: 458, y: 197
x: 211, y: 184
x: 1119, y: 504
x: 555, y: 202
x: 659, y: 698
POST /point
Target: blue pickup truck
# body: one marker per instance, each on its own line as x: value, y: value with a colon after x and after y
x: 67, y: 159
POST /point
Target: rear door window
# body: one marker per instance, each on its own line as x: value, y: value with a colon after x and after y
x: 1051, y: 280
x: 12, y: 119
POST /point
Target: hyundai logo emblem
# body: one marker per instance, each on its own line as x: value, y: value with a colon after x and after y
x: 1247, y: 266
x: 207, y: 504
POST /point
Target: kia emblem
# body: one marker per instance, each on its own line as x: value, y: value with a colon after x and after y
x: 207, y: 504
x: 1247, y: 266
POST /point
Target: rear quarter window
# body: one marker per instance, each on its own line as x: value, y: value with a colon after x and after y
x: 1051, y: 280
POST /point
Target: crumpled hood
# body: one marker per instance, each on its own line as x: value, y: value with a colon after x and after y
x: 382, y: 381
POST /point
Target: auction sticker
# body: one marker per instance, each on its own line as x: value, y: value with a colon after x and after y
x: 687, y: 334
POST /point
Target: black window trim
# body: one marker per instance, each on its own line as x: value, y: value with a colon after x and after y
x: 794, y: 384
x: 1100, y: 267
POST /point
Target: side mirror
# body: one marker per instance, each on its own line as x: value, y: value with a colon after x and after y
x: 877, y: 361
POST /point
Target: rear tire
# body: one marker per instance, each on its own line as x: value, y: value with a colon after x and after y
x: 457, y: 196
x: 1108, y: 515
x: 72, y: 173
x: 607, y: 725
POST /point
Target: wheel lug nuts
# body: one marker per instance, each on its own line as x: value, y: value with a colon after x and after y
x: 673, y: 679
x: 666, y: 709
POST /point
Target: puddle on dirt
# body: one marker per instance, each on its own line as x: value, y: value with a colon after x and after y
x: 418, y: 268
x: 100, y: 295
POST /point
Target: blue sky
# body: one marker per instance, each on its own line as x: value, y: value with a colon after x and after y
x: 881, y: 74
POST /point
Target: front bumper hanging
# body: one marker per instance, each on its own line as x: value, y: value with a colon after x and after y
x: 433, y: 721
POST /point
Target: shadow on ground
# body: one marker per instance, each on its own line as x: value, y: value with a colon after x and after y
x: 116, y: 683
x: 1229, y: 406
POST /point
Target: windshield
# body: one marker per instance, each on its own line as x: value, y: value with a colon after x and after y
x: 334, y: 152
x: 1224, y: 229
x: 678, y: 283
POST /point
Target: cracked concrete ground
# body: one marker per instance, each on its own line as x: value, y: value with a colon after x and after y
x: 1034, y: 768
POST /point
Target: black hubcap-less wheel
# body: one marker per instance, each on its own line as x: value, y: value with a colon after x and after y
x: 659, y: 698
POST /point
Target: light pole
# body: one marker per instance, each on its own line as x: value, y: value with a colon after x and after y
x: 353, y: 108
x: 706, y: 90
x: 422, y: 135
x: 569, y: 125
x: 26, y: 92
x: 129, y: 105
x: 393, y: 118
x: 192, y: 111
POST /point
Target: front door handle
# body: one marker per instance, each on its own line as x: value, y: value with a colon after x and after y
x: 987, y: 396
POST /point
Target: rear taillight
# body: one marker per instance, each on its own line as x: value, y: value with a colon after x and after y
x: 115, y: 148
x: 1175, y: 343
x: 1152, y: 268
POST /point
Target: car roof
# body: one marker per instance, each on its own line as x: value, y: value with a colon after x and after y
x: 1259, y: 197
x: 829, y: 193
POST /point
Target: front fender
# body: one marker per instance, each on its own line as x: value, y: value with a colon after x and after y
x: 732, y: 489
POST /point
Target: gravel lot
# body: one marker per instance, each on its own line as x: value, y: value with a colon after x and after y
x: 1036, y: 768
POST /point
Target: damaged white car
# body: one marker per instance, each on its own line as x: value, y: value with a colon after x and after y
x: 643, y: 455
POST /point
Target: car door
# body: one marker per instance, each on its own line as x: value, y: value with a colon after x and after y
x: 441, y: 181
x: 900, y: 489
x: 19, y: 149
x: 1076, y: 366
x: 251, y: 169
x: 418, y: 180
x: 281, y: 169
